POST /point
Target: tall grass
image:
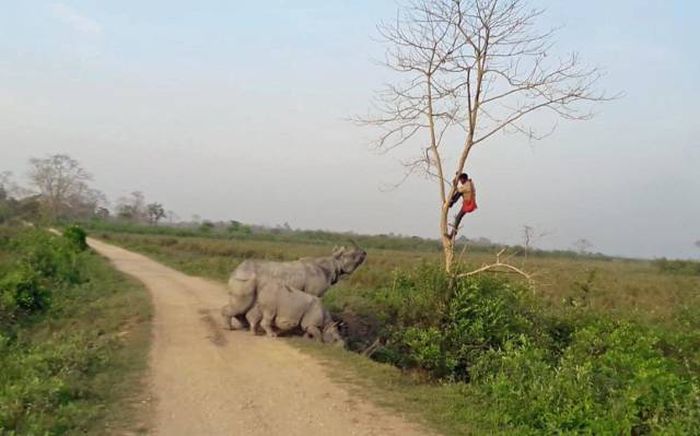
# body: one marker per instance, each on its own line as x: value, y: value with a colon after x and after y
x: 622, y: 288
x: 241, y: 232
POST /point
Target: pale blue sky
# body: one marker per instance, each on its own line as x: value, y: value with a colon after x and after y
x: 236, y: 110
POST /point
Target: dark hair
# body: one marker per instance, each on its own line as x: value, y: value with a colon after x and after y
x: 463, y: 177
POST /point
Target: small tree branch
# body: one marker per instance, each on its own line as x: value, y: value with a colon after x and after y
x: 500, y: 266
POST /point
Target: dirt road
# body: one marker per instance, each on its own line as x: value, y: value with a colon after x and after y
x: 209, y: 381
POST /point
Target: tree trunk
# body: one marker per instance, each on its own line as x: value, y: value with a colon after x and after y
x: 447, y: 242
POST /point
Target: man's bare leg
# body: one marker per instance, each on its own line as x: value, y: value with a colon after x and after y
x: 455, y: 226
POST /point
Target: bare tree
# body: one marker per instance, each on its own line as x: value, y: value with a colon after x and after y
x: 472, y: 69
x: 9, y: 187
x: 133, y: 207
x: 583, y: 246
x: 156, y: 212
x: 86, y: 202
x: 530, y: 237
x: 172, y: 216
x: 5, y: 185
x: 102, y: 213
x: 62, y: 184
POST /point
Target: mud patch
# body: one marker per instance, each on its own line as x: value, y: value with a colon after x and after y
x: 215, y: 335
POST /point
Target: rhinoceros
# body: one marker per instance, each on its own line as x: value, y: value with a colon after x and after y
x: 282, y: 307
x: 311, y: 275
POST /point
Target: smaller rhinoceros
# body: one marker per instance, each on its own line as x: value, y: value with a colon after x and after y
x: 285, y: 308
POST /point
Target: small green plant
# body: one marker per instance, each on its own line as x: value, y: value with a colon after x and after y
x: 51, y: 257
x: 206, y: 227
x: 76, y: 236
x: 43, y: 264
x: 21, y: 293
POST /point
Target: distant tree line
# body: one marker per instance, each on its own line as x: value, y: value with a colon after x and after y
x: 59, y: 190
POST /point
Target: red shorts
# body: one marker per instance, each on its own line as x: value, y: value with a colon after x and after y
x: 469, y: 206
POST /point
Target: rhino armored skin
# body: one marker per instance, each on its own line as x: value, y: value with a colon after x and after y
x: 282, y: 307
x: 311, y: 275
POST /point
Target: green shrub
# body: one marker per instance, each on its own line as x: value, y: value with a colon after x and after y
x: 51, y: 257
x: 683, y: 267
x: 42, y: 264
x: 612, y: 379
x: 76, y: 236
x: 538, y: 372
x: 433, y: 322
x: 21, y: 292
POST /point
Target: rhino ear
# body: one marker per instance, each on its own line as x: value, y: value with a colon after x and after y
x: 337, y: 251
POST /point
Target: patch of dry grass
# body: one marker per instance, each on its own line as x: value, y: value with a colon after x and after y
x: 629, y: 288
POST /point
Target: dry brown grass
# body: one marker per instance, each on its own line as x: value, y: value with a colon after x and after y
x: 624, y: 287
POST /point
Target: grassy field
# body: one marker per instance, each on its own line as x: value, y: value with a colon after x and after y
x: 74, y: 338
x: 600, y: 345
x: 624, y: 287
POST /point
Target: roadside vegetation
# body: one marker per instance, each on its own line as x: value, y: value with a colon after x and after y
x: 617, y: 286
x: 599, y: 345
x: 73, y: 337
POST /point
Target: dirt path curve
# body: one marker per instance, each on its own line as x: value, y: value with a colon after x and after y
x: 211, y: 381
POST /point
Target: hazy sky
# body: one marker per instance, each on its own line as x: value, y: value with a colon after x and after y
x: 236, y: 110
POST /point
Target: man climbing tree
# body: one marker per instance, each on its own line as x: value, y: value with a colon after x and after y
x: 464, y: 187
x: 471, y: 69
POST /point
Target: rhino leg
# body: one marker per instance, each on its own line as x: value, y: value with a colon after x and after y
x: 312, y: 319
x: 266, y: 323
x: 234, y: 323
x: 253, y: 316
x: 228, y: 312
x: 242, y: 295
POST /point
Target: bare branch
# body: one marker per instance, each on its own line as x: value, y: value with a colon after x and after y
x: 501, y: 266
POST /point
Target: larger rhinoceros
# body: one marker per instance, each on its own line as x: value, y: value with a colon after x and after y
x: 312, y: 275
